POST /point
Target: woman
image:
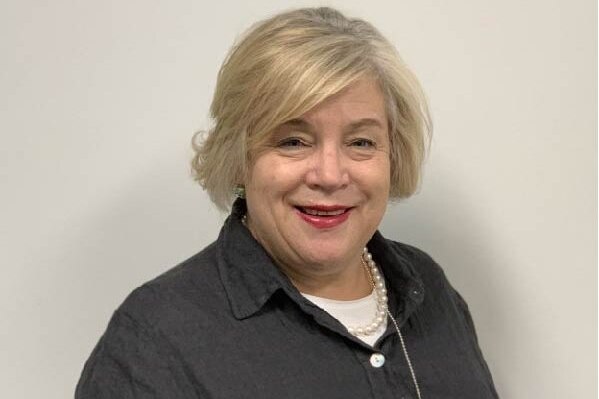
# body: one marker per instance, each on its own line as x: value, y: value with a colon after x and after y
x: 318, y: 124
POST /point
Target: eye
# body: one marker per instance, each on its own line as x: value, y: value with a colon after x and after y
x: 292, y: 142
x: 363, y: 143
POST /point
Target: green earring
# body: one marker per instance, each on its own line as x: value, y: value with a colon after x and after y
x: 239, y: 191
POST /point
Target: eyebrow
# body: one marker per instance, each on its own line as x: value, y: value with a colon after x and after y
x: 353, y: 126
x: 298, y: 123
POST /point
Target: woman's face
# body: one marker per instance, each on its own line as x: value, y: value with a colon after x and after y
x: 318, y: 188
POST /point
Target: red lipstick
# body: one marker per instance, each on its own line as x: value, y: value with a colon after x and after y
x: 324, y: 216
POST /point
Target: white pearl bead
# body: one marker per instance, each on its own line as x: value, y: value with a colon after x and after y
x: 380, y: 296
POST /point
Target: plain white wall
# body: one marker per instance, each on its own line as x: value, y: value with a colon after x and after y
x: 98, y: 101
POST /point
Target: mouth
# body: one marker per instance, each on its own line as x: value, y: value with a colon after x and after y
x: 315, y: 211
x: 324, y: 216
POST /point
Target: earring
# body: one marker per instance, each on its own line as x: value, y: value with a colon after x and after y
x: 239, y: 191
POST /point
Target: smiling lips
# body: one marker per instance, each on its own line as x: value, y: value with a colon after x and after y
x: 324, y: 216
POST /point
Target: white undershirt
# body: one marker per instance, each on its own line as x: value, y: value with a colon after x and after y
x: 359, y: 312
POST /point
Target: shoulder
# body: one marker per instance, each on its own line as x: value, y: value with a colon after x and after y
x: 418, y: 262
x: 135, y: 354
x: 410, y: 252
x: 187, y: 288
x: 439, y: 292
x: 418, y: 265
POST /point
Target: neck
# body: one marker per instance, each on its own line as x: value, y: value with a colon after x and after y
x: 348, y: 284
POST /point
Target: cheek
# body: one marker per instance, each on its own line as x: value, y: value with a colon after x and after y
x: 259, y: 175
x: 377, y: 177
x: 272, y: 178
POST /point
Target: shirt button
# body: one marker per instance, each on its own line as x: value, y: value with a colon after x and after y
x: 377, y: 360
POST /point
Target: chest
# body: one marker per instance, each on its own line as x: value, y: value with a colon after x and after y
x: 286, y: 353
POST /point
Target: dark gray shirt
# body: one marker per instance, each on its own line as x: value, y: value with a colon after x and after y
x: 227, y: 323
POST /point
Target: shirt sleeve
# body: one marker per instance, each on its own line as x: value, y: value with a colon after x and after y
x: 130, y: 361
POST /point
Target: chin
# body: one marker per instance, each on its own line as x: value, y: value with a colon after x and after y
x: 325, y: 252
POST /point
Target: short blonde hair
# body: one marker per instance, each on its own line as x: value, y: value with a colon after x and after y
x: 286, y: 65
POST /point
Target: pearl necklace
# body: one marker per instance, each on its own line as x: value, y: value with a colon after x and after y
x: 380, y: 296
x: 378, y: 286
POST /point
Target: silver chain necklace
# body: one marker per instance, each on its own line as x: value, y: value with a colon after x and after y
x: 368, y: 263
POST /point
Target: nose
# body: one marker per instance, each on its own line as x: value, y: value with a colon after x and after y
x: 328, y: 170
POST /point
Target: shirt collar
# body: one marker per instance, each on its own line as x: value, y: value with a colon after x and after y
x: 250, y: 277
x: 248, y: 273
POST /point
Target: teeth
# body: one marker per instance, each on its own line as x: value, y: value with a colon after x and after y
x: 323, y: 213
